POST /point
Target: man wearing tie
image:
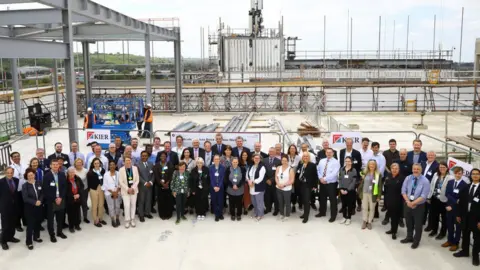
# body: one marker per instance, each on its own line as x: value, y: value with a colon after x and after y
x: 415, y: 191
x: 417, y: 155
x: 196, y: 151
x: 237, y: 151
x: 54, y: 190
x: 469, y: 216
x: 219, y: 147
x: 8, y: 207
x: 43, y: 163
x: 172, y: 157
x: 58, y: 153
x: 74, y: 154
x: 327, y: 171
x: 271, y: 163
x: 208, y: 153
x: 145, y: 187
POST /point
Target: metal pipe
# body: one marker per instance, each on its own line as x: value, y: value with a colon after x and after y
x: 57, y: 94
x: 461, y: 41
x: 284, y: 132
x: 406, y: 49
x: 211, y: 127
x: 16, y: 95
x: 244, y: 126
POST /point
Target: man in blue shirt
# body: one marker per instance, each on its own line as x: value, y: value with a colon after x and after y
x: 415, y: 190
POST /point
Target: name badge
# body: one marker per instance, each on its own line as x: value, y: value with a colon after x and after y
x: 151, y: 171
x: 412, y: 197
x: 39, y: 188
x: 274, y: 168
x: 476, y: 199
x: 181, y: 177
x: 100, y: 177
x: 181, y: 191
x: 52, y: 184
x: 165, y: 167
x: 429, y: 173
x: 439, y: 190
x: 200, y: 186
x: 346, y: 176
x: 374, y: 182
x: 298, y: 171
x: 235, y: 180
x: 65, y: 162
x: 456, y: 191
x: 130, y: 182
x: 163, y: 181
x: 355, y: 162
x: 216, y: 174
x: 200, y: 172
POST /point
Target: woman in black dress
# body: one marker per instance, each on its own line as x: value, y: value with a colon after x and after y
x: 199, y: 183
x: 162, y: 172
x: 393, y: 198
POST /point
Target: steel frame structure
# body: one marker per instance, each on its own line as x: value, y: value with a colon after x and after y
x: 50, y: 32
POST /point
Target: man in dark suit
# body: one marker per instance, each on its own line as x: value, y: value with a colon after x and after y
x: 9, y: 207
x: 237, y: 151
x: 54, y: 190
x: 112, y: 154
x: 271, y: 163
x: 172, y: 157
x: 208, y: 153
x: 196, y: 151
x: 452, y: 192
x: 321, y: 154
x: 417, y: 155
x: 350, y: 152
x: 258, y: 150
x: 145, y: 187
x: 58, y: 153
x: 469, y: 216
x: 43, y: 163
x: 219, y: 147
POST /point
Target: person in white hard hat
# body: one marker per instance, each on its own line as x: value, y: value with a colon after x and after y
x: 90, y: 119
x: 148, y: 119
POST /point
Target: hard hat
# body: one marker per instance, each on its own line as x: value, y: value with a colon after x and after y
x: 149, y: 105
x: 89, y: 109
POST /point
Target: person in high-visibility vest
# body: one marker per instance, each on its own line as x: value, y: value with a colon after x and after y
x: 90, y: 119
x: 148, y: 119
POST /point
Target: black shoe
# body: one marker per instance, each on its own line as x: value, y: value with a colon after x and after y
x: 406, y: 241
x: 221, y: 217
x: 154, y: 211
x: 440, y: 236
x: 239, y: 218
x: 359, y: 208
x: 98, y: 225
x: 394, y: 236
x: 217, y: 219
x: 103, y: 222
x: 427, y: 229
x: 304, y: 221
x: 415, y: 245
x: 14, y: 240
x: 293, y: 209
x: 53, y: 239
x: 61, y: 235
x: 389, y: 232
x: 377, y: 215
x: 142, y: 219
x: 42, y: 228
x: 401, y: 223
x: 117, y: 222
x: 319, y: 215
x: 245, y: 212
x: 38, y: 240
x: 19, y: 229
x: 232, y: 218
x: 267, y: 211
x: 475, y: 261
x: 432, y: 234
x: 314, y: 207
x: 149, y: 216
x: 114, y: 223
x: 184, y: 218
x: 384, y: 209
x: 275, y: 213
x: 385, y: 222
x: 5, y: 246
x: 86, y: 220
x: 331, y: 220
x: 461, y: 254
x: 72, y: 230
x: 78, y: 228
x: 340, y: 211
x: 250, y: 208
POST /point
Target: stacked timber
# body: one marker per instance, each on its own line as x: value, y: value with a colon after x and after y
x: 306, y: 128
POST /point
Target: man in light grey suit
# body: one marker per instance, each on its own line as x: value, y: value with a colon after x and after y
x: 145, y: 171
x: 271, y: 163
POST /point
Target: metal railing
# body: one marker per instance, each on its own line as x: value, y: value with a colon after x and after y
x: 453, y: 150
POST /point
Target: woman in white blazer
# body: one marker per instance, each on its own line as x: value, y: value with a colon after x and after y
x: 437, y: 200
x: 129, y: 180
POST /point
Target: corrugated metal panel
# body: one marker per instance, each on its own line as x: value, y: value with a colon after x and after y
x: 265, y: 54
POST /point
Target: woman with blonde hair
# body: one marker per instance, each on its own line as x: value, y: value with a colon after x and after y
x: 81, y: 172
x: 129, y: 179
x: 370, y: 192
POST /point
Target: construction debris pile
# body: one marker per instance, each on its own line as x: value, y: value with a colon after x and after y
x: 306, y: 128
x: 192, y: 126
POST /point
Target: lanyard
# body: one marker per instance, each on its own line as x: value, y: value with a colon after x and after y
x: 414, y: 186
x: 115, y: 179
x: 129, y: 174
x: 36, y: 192
x: 235, y: 172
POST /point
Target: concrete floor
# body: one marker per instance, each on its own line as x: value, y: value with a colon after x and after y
x: 269, y: 244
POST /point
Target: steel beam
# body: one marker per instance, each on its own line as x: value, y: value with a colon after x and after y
x: 21, y: 48
x: 55, y: 86
x: 70, y: 87
x: 178, y: 72
x: 86, y: 72
x: 36, y: 16
x: 16, y: 95
x: 148, y: 73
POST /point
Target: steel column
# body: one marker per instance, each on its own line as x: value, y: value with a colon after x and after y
x: 70, y: 87
x: 17, y: 98
x: 55, y: 86
x: 86, y: 72
x: 178, y: 72
x: 148, y: 73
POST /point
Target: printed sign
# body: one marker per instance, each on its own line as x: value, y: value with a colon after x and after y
x: 102, y: 136
x: 453, y: 162
x: 337, y: 139
x: 249, y: 139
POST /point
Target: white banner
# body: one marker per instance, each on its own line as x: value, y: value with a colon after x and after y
x: 249, y: 139
x: 453, y: 162
x: 102, y: 136
x: 337, y: 139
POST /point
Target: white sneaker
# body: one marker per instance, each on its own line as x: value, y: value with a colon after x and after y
x: 127, y: 224
x: 343, y: 221
x: 132, y: 222
x: 199, y: 217
x: 203, y: 217
x: 348, y: 222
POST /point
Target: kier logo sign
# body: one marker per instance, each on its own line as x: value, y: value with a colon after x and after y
x: 451, y: 164
x: 101, y: 136
x: 337, y: 138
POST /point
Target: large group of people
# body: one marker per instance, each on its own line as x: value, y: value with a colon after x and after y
x: 415, y: 188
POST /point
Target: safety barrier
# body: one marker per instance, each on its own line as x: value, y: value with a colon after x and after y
x: 454, y: 150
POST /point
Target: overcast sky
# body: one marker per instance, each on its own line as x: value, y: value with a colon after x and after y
x: 304, y: 19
